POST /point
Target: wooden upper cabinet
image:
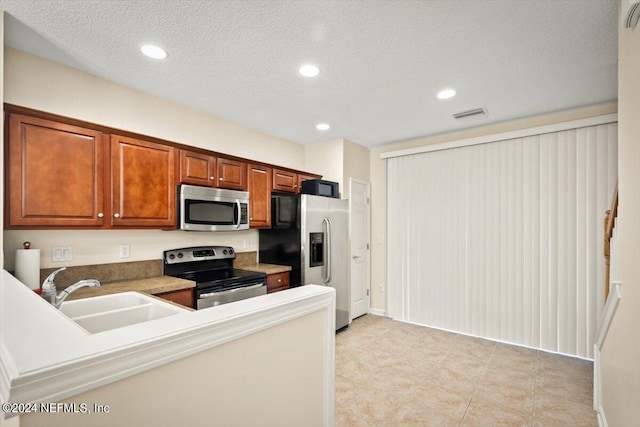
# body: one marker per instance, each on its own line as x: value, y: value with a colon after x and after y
x: 64, y: 173
x: 302, y: 177
x: 260, y: 181
x: 204, y: 169
x: 232, y: 174
x: 197, y: 168
x: 285, y: 181
x: 55, y: 174
x: 143, y: 185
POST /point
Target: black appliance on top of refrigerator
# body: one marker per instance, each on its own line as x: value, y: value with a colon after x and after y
x: 311, y: 234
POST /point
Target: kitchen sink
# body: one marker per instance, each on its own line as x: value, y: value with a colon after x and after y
x: 107, y: 312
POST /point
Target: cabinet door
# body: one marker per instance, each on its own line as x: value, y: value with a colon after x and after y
x: 277, y: 282
x: 55, y: 174
x: 285, y: 181
x: 197, y: 168
x: 260, y: 196
x: 182, y: 297
x: 142, y: 179
x: 301, y: 178
x: 232, y: 174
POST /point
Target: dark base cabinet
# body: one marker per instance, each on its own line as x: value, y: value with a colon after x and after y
x: 277, y: 282
x: 182, y: 297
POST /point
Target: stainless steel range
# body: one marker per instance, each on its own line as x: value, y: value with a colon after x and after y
x: 211, y: 267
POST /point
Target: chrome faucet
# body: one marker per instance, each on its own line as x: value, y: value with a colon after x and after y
x: 49, y: 291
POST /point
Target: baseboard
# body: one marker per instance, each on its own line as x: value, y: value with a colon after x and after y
x: 377, y: 312
x: 602, y: 420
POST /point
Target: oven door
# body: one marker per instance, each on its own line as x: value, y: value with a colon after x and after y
x: 211, y: 299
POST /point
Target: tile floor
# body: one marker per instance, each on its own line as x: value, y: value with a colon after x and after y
x: 390, y: 374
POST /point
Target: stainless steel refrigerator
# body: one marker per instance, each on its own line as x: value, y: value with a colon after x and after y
x: 311, y: 234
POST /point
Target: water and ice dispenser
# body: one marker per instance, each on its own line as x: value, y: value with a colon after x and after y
x: 316, y: 257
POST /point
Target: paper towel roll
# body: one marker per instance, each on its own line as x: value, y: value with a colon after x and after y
x: 28, y: 267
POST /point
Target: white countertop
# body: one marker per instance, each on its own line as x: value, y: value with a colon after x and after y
x: 44, y: 356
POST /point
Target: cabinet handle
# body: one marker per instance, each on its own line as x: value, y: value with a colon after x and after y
x: 279, y: 280
x: 117, y: 215
x: 100, y: 214
x: 295, y: 185
x: 250, y: 218
x: 220, y: 179
x: 211, y: 178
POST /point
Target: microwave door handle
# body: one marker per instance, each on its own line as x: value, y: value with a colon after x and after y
x: 239, y: 213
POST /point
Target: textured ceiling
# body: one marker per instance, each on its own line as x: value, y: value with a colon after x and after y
x: 381, y: 62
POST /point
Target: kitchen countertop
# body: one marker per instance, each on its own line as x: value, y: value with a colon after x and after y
x: 264, y: 268
x: 47, y: 357
x: 151, y: 285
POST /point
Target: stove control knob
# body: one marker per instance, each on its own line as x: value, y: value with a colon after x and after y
x: 224, y: 252
x: 230, y: 251
x: 171, y: 256
x: 180, y: 255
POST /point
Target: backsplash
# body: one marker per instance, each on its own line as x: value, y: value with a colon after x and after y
x: 124, y: 270
x: 245, y: 258
x: 105, y: 272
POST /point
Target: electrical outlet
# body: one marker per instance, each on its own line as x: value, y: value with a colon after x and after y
x: 125, y: 251
x: 381, y: 287
x: 61, y: 253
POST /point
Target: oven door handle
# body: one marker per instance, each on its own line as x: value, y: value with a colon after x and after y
x: 230, y: 291
x: 239, y: 213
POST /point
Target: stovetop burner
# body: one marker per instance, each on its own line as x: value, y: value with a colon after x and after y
x: 208, y: 266
x: 222, y: 274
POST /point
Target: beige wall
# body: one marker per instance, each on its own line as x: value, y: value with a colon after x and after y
x: 356, y: 164
x: 253, y: 381
x: 378, y: 181
x: 326, y: 158
x: 620, y: 356
x: 338, y: 160
x: 102, y: 246
x: 44, y: 85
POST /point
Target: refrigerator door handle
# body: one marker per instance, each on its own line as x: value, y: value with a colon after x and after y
x: 327, y: 259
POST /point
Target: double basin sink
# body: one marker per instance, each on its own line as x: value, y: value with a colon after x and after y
x: 107, y: 312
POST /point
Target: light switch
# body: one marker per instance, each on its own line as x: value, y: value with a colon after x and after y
x: 61, y: 253
x: 56, y: 254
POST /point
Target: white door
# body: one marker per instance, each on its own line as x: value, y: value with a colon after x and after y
x: 359, y: 220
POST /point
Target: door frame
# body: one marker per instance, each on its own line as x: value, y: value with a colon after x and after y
x: 367, y: 184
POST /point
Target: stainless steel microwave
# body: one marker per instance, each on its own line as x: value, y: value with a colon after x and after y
x: 212, y: 209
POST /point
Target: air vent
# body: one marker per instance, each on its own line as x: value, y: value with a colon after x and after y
x: 469, y: 113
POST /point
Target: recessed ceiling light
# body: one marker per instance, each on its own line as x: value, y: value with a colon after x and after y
x: 154, y: 52
x: 322, y: 126
x: 446, y: 93
x: 309, y: 70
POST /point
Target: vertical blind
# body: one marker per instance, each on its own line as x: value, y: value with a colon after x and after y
x: 504, y: 240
